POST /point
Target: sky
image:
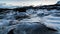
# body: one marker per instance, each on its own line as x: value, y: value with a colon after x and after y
x: 27, y: 2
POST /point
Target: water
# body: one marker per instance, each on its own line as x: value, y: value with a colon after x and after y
x: 34, y: 21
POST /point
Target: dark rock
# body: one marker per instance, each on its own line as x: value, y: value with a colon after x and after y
x: 58, y: 2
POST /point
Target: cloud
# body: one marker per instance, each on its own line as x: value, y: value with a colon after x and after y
x: 2, y: 4
x: 28, y: 2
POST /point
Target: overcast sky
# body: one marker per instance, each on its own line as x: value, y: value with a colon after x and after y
x: 27, y: 2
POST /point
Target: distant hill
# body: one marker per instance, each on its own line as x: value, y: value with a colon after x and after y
x: 24, y: 8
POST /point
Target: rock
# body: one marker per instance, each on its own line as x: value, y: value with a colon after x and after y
x: 58, y: 2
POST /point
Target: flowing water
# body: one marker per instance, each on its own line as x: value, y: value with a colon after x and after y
x: 40, y: 16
